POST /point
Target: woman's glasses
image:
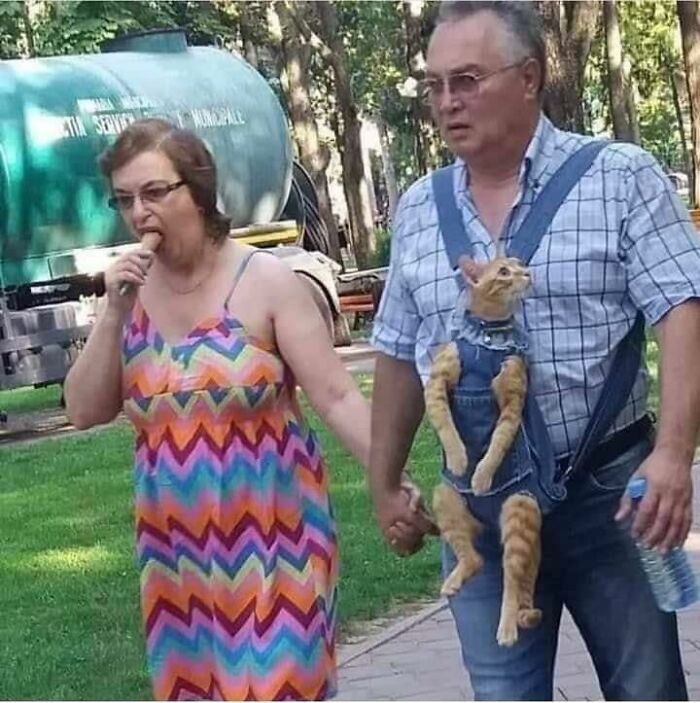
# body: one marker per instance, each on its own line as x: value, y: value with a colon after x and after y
x: 153, y: 193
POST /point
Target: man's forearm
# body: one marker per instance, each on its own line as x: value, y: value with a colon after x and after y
x: 679, y: 411
x: 397, y: 409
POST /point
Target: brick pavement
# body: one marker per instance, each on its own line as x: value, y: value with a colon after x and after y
x: 418, y: 658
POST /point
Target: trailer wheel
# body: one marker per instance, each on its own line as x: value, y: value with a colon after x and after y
x: 343, y: 336
x: 321, y: 301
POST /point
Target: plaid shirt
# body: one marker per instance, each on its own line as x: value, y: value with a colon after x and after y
x: 621, y: 242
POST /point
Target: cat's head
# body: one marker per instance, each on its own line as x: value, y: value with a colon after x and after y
x: 496, y: 286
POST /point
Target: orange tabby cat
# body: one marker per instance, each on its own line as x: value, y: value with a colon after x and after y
x: 494, y: 292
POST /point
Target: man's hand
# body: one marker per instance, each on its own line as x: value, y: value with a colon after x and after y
x: 415, y: 497
x: 403, y: 520
x: 397, y: 409
x: 665, y: 513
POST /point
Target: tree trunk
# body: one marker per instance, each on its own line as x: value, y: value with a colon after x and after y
x: 28, y: 30
x: 631, y: 98
x: 569, y: 31
x: 250, y: 51
x: 676, y: 80
x: 616, y: 78
x: 555, y: 98
x: 313, y: 155
x: 354, y: 182
x: 689, y: 16
x: 392, y: 189
x: 415, y: 61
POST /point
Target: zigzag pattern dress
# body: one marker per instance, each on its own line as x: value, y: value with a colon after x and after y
x: 235, y: 535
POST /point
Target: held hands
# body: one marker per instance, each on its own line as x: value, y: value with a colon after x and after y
x: 403, y: 517
x: 665, y: 513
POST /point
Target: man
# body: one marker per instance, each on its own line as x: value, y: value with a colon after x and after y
x: 621, y: 242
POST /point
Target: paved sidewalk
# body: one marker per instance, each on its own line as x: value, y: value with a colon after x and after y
x: 358, y: 358
x: 418, y: 657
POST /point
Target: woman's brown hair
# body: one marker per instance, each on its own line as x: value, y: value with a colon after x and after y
x: 188, y: 154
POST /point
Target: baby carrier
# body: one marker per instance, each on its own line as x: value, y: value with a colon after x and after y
x: 530, y: 466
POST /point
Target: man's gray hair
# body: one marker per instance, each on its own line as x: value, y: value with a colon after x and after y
x: 520, y: 19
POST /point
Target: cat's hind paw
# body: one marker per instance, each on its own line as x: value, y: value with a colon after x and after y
x: 451, y: 585
x: 529, y: 618
x: 463, y: 571
x: 507, y: 634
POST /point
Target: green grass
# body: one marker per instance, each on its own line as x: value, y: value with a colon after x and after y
x: 30, y: 399
x: 71, y: 625
x: 652, y: 352
x: 362, y: 334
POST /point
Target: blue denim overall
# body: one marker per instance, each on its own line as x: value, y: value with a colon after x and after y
x: 529, y: 467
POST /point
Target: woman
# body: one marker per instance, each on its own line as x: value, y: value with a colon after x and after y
x: 202, y: 343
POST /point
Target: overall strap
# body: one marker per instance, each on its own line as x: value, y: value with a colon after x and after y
x: 613, y: 395
x: 454, y: 234
x: 529, y: 235
x: 625, y: 366
x: 239, y: 273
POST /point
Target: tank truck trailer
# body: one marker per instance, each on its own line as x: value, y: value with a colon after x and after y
x: 57, y: 236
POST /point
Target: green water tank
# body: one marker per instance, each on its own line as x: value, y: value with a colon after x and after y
x: 58, y: 114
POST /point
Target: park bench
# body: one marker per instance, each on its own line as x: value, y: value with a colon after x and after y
x: 362, y: 302
x: 695, y: 216
x: 359, y: 294
x: 357, y: 305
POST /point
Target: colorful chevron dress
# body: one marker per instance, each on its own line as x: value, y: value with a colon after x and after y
x: 235, y: 535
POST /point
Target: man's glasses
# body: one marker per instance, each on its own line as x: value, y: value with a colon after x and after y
x: 153, y: 193
x: 463, y: 85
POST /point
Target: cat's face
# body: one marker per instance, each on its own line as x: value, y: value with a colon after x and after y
x: 500, y: 282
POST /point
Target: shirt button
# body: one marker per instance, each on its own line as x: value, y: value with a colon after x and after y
x: 559, y: 492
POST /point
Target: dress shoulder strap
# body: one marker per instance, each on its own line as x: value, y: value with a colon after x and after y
x: 239, y: 273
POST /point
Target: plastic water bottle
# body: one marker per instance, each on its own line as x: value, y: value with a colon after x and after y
x: 671, y: 577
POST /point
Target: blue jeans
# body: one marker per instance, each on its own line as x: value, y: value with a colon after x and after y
x: 590, y: 566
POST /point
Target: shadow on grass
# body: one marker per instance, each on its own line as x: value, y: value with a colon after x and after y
x: 68, y: 574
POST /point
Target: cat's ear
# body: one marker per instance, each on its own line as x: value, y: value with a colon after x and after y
x: 470, y: 270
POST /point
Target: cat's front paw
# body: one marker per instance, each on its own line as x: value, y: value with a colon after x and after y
x: 481, y: 480
x: 456, y: 459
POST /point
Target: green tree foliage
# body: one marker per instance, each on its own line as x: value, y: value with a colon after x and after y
x: 650, y: 40
x: 375, y: 37
x: 650, y: 33
x: 12, y: 40
x: 78, y: 27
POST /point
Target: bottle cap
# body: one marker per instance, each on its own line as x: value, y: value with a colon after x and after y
x: 636, y: 488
